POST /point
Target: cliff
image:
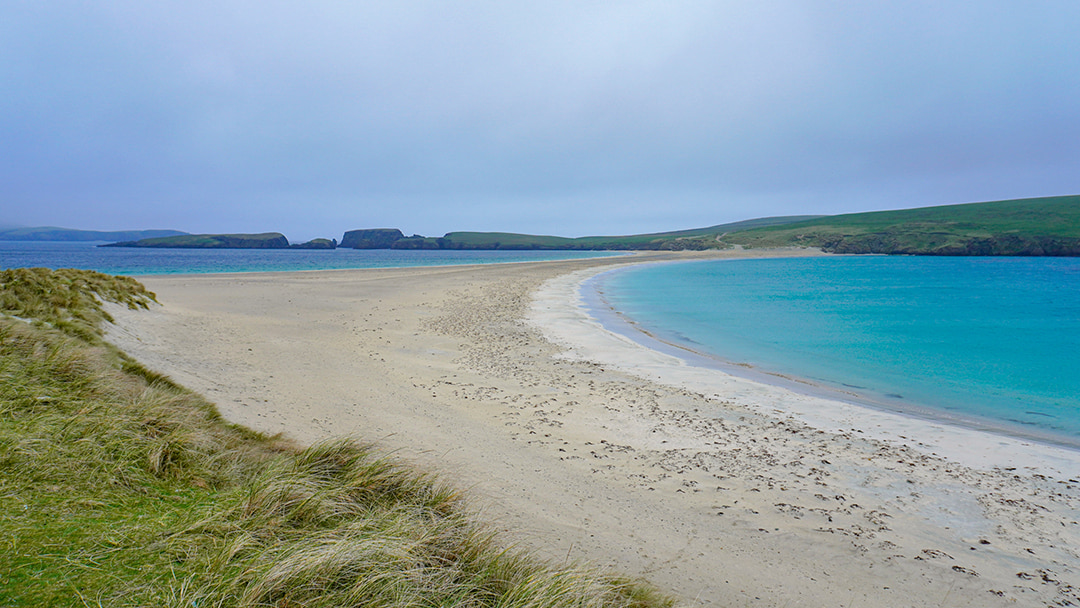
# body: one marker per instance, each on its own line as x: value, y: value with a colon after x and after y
x: 374, y: 238
x: 316, y: 244
x: 266, y: 240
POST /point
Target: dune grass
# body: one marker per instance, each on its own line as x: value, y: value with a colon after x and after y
x: 68, y: 299
x: 120, y: 488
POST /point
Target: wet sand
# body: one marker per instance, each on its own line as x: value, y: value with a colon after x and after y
x: 727, y: 493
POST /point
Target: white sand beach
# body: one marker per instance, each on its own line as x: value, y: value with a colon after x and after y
x: 584, y: 445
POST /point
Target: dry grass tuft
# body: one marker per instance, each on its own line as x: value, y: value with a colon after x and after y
x: 120, y: 488
x: 68, y: 299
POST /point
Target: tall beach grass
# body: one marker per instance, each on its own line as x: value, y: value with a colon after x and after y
x: 120, y: 488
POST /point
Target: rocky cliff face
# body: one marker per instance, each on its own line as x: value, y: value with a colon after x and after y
x: 1000, y: 245
x: 228, y: 241
x: 1019, y: 246
x: 376, y: 238
x: 266, y: 240
x: 316, y: 244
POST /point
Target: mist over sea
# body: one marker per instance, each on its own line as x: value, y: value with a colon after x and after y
x: 992, y: 342
x: 144, y: 261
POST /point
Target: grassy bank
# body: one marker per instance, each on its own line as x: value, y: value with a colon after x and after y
x: 265, y: 240
x: 1038, y: 226
x: 120, y: 488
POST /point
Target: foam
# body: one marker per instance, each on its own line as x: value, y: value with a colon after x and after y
x: 559, y: 311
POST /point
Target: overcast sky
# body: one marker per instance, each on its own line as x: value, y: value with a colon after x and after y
x: 567, y: 118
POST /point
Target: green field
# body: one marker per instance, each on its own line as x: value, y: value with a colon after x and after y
x: 265, y: 240
x: 698, y: 238
x: 120, y: 488
x: 1039, y: 226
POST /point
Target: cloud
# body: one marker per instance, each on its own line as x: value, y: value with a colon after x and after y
x: 493, y: 116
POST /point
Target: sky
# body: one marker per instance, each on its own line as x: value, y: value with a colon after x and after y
x: 568, y: 118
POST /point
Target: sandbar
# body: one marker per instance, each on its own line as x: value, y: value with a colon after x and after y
x: 583, y: 445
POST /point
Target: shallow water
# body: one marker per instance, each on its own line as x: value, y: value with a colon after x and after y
x: 144, y: 261
x: 992, y: 340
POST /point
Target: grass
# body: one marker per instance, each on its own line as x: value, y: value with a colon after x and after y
x: 698, y: 238
x: 1041, y: 226
x: 265, y: 240
x: 52, y: 233
x: 120, y: 488
x: 68, y: 299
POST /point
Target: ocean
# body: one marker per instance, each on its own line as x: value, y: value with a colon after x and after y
x: 993, y: 342
x: 145, y: 261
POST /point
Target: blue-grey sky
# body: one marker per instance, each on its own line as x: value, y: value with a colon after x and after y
x: 568, y: 118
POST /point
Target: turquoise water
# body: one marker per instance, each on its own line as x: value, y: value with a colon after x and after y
x: 139, y: 261
x: 992, y: 341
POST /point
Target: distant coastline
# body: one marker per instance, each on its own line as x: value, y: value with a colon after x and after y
x: 52, y: 233
x: 266, y: 240
x: 143, y: 261
x: 1024, y: 227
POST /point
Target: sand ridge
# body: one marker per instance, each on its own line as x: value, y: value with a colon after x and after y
x: 713, y: 498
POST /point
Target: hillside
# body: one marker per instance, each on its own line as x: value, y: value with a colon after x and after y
x: 1024, y: 227
x: 265, y: 240
x: 372, y: 238
x: 699, y: 238
x: 51, y: 233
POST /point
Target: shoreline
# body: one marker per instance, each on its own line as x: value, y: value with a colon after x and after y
x: 940, y: 431
x: 719, y: 500
x: 140, y: 262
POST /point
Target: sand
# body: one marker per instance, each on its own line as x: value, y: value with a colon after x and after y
x: 584, y: 446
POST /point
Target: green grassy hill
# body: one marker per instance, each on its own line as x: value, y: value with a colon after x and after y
x: 316, y: 244
x: 698, y: 238
x: 1029, y: 227
x: 1038, y: 227
x: 1034, y: 227
x: 265, y: 240
x: 51, y: 233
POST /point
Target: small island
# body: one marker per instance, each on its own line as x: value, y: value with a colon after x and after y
x: 316, y: 244
x: 265, y: 240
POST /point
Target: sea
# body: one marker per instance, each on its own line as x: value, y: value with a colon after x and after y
x: 988, y: 342
x: 138, y: 261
